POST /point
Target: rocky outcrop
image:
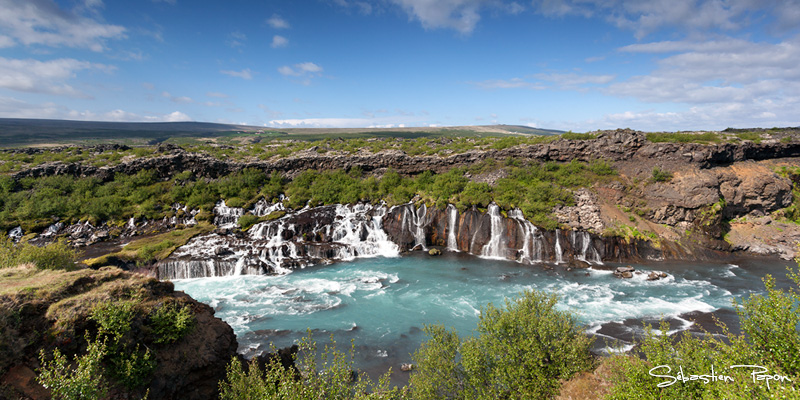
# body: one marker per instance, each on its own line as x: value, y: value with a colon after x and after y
x: 43, y: 310
x: 619, y: 145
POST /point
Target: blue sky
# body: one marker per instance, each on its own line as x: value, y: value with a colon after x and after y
x: 574, y: 65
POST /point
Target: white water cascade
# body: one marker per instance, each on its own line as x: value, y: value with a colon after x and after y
x: 584, y: 251
x: 279, y: 246
x: 452, y: 216
x: 559, y: 252
x: 494, y: 248
x: 533, y: 242
x: 226, y: 217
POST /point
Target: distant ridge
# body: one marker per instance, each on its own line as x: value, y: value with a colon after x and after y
x: 15, y: 132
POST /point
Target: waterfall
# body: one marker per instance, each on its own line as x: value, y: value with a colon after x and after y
x: 262, y: 208
x: 278, y: 246
x: 360, y: 234
x: 559, y: 256
x: 16, y: 234
x: 532, y: 242
x: 452, y: 216
x: 52, y: 229
x: 493, y: 248
x: 419, y: 232
x: 226, y: 217
x: 582, y: 241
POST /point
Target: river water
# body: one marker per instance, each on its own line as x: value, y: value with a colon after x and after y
x: 383, y: 303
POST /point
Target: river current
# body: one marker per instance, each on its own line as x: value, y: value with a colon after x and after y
x: 382, y: 303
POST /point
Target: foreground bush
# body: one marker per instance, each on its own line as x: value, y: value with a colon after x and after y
x: 768, y: 348
x: 321, y: 375
x: 522, y: 351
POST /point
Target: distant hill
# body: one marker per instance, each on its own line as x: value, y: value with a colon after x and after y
x: 44, y: 132
x: 17, y: 132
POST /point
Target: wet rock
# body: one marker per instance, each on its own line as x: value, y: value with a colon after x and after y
x: 624, y: 272
x: 434, y: 252
x: 406, y: 367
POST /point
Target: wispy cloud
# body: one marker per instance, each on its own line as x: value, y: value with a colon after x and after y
x: 244, y: 74
x: 48, y: 77
x: 306, y: 71
x: 43, y: 22
x: 277, y: 22
x: 279, y: 41
x: 514, y: 83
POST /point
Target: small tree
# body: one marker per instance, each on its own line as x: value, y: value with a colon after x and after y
x: 83, y: 381
x: 521, y: 351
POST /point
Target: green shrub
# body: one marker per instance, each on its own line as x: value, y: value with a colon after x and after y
x: 328, y: 374
x: 113, y: 318
x: 81, y: 379
x: 578, y: 136
x: 58, y: 255
x: 171, y: 323
x: 769, y: 339
x: 521, y: 351
x: 247, y: 221
x: 660, y: 175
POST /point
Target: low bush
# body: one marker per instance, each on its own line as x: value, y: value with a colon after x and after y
x: 521, y: 351
x: 170, y: 322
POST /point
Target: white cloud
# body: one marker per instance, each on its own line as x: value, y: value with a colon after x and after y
x: 277, y: 22
x: 279, y: 41
x: 461, y: 15
x: 645, y: 17
x: 176, y: 116
x: 49, y: 77
x: 395, y: 121
x: 306, y: 71
x: 42, y: 22
x: 721, y: 71
x: 244, y: 74
x: 217, y: 94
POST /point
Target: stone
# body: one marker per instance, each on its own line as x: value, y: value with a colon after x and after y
x: 624, y: 272
x: 434, y: 252
x: 406, y: 367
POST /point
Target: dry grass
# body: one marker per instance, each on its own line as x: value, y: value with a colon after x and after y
x: 588, y: 385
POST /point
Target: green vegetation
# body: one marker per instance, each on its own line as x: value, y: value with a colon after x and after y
x: 521, y: 351
x: 769, y: 339
x: 670, y: 137
x: 34, y: 203
x: 152, y: 248
x: 578, y: 136
x: 56, y: 255
x: 631, y: 233
x: 83, y: 381
x: 332, y: 378
x: 660, y: 175
x: 171, y: 322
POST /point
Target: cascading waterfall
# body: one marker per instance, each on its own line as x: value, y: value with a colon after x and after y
x: 16, y: 234
x: 452, y: 216
x: 559, y: 255
x: 533, y: 242
x: 278, y: 247
x: 419, y: 232
x: 493, y: 248
x: 583, y: 241
x: 226, y: 217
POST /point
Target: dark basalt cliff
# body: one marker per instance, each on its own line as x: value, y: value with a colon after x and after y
x: 619, y: 145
